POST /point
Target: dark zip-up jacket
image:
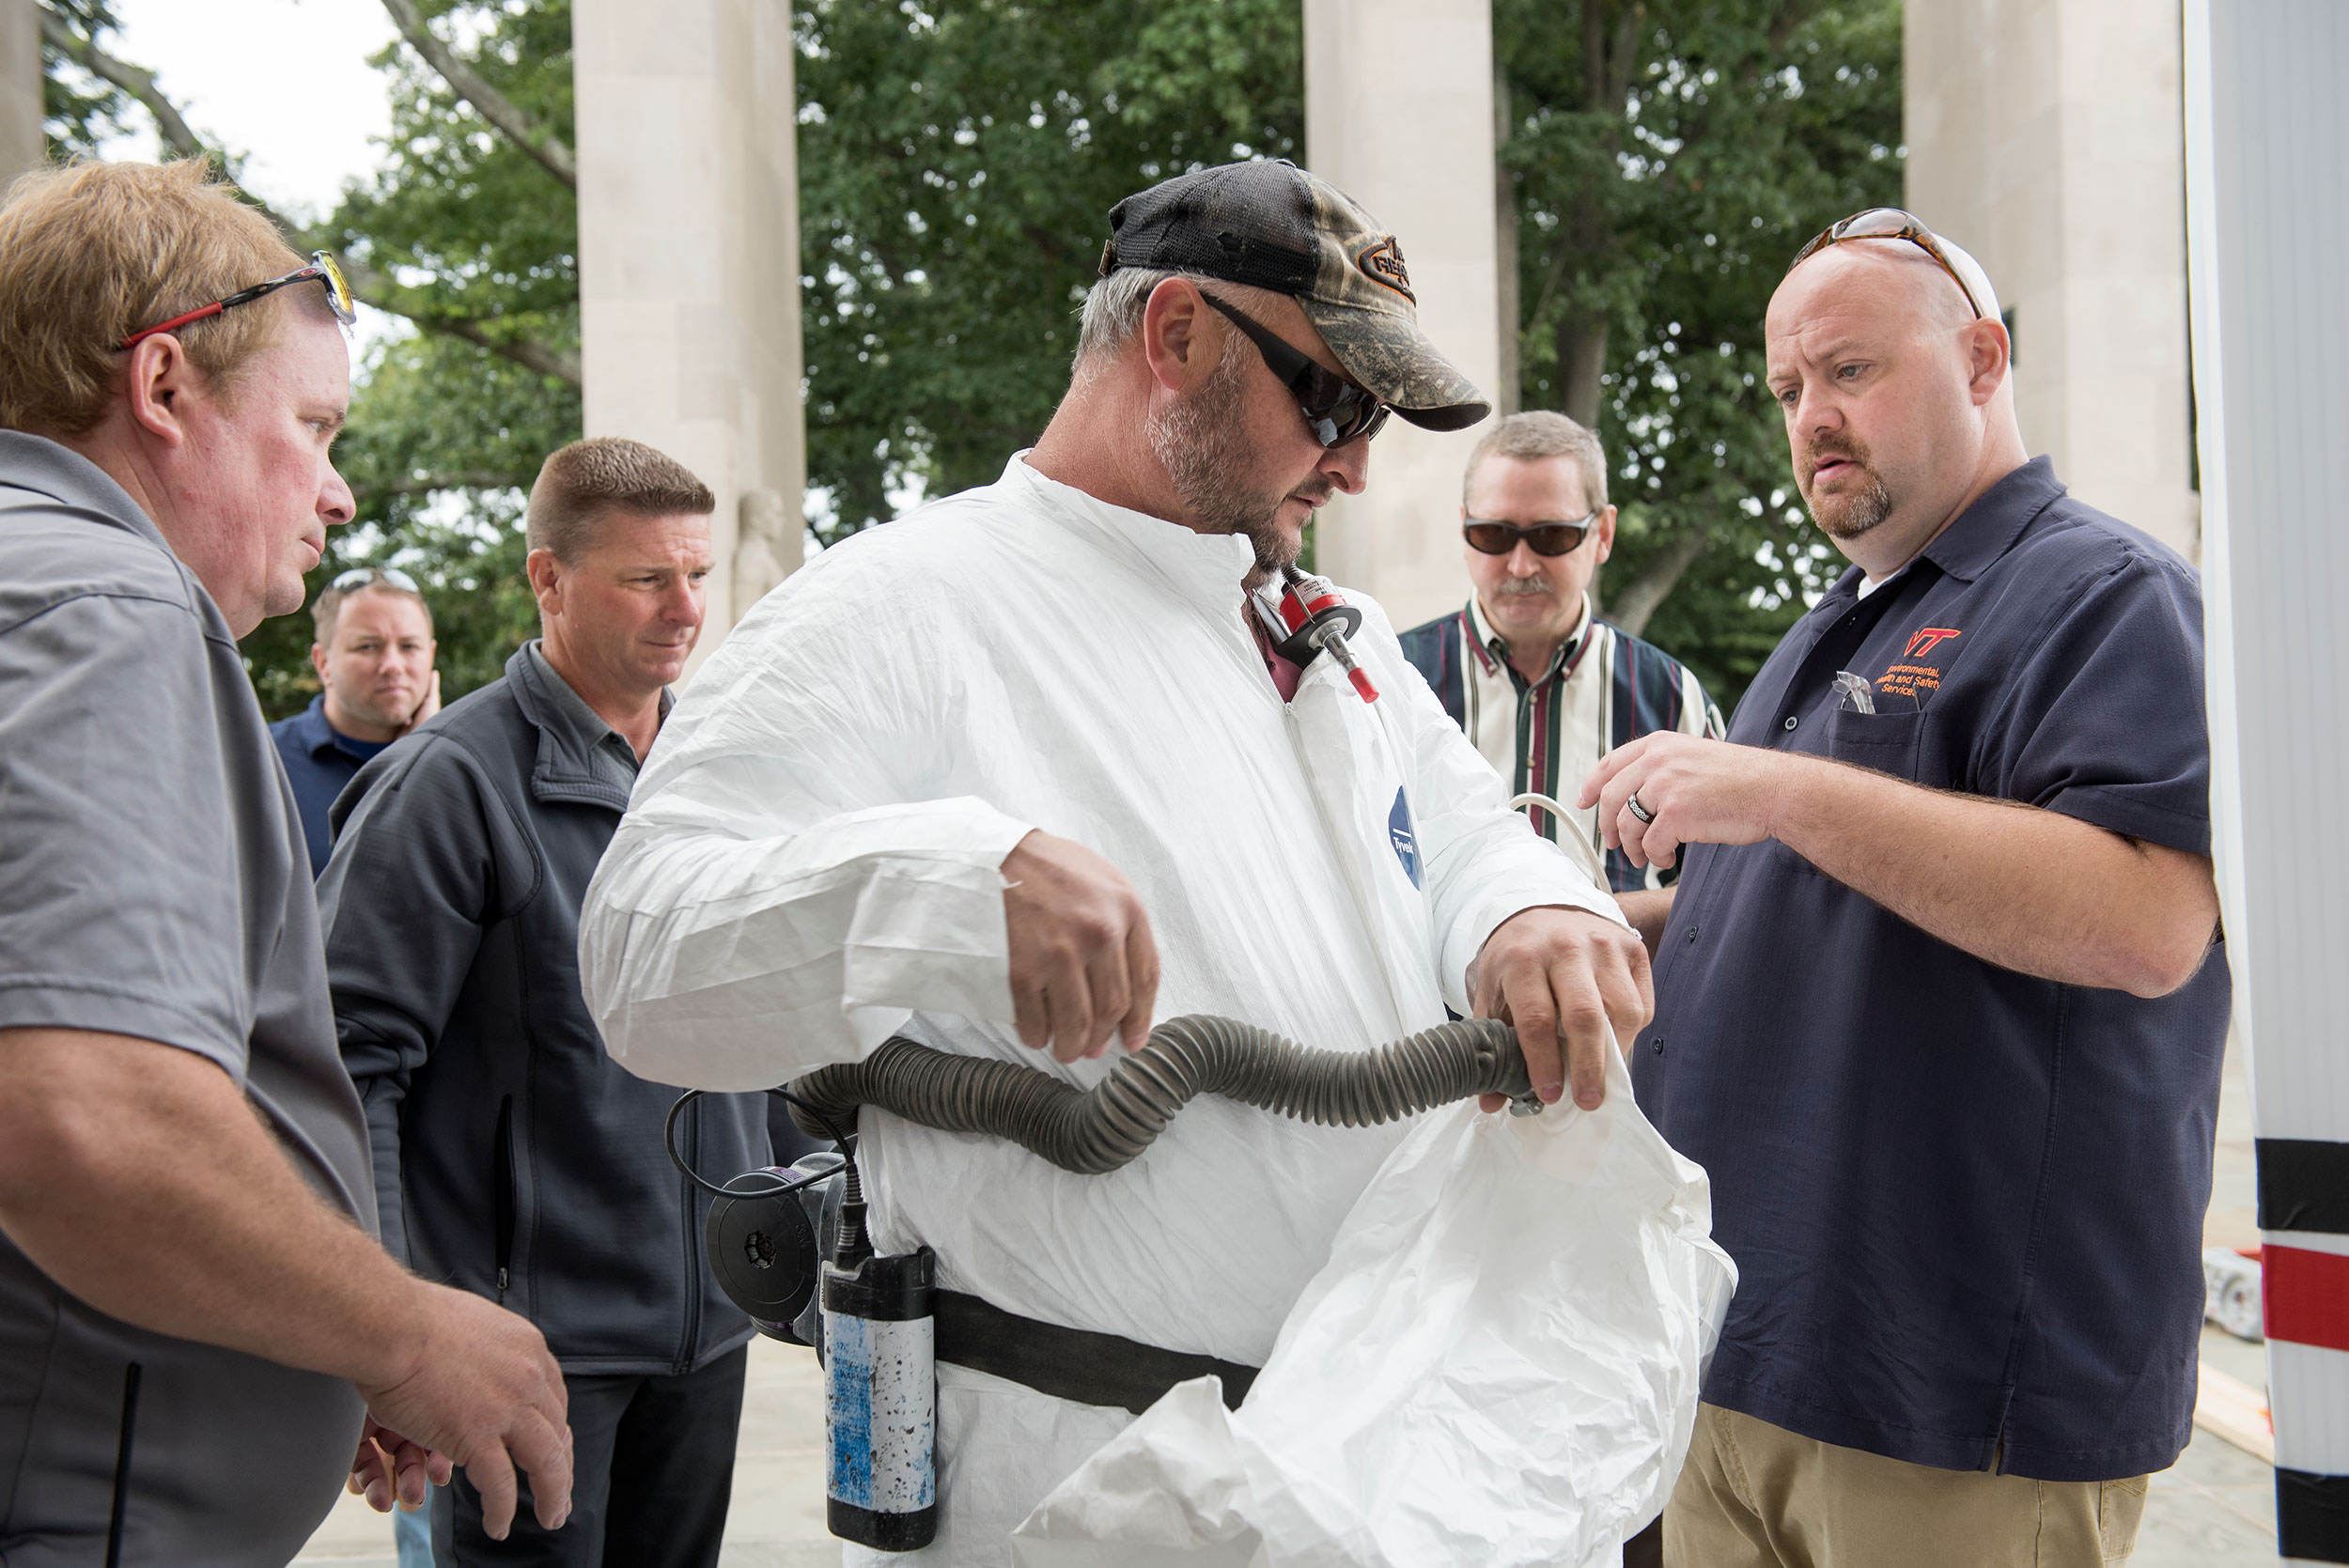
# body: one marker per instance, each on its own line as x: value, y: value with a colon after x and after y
x: 513, y: 1156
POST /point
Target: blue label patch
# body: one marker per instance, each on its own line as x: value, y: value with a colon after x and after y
x: 1399, y: 835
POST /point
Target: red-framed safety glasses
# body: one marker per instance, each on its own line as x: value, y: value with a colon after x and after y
x: 321, y: 267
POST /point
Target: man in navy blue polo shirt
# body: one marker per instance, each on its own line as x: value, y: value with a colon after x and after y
x: 374, y: 659
x: 1936, y: 1001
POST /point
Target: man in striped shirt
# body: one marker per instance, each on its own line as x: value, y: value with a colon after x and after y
x: 1543, y: 687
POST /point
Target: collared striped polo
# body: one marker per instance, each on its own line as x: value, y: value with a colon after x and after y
x: 1604, y: 688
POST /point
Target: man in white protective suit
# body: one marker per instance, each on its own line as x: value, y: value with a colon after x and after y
x: 1023, y: 772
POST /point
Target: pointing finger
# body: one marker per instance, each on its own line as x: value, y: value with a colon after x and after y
x: 1609, y: 766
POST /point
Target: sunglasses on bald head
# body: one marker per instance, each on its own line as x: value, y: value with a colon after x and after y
x: 1491, y: 538
x: 1335, y: 410
x: 367, y: 577
x: 322, y: 268
x: 1888, y: 223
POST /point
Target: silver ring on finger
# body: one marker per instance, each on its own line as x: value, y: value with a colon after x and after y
x: 1639, y: 811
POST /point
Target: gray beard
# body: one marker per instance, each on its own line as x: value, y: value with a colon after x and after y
x: 1207, y: 456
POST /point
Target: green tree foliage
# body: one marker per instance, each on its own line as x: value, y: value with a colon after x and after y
x: 957, y: 163
x: 465, y: 242
x: 1668, y: 157
x: 465, y: 235
x: 957, y: 159
x: 79, y: 108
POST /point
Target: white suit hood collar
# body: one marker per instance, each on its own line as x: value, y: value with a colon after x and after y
x: 1205, y: 568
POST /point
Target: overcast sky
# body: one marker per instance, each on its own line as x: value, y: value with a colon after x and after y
x: 285, y: 83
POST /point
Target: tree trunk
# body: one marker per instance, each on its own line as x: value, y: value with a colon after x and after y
x: 1582, y: 336
x: 1641, y: 596
x: 1581, y: 360
x: 1504, y: 249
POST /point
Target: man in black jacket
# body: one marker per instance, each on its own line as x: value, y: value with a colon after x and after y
x: 514, y: 1158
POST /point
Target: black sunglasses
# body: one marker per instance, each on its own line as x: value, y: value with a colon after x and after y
x: 1336, y: 411
x: 1547, y: 538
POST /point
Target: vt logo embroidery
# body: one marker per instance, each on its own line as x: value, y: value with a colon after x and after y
x: 1916, y: 681
x: 1399, y: 835
x: 1383, y: 263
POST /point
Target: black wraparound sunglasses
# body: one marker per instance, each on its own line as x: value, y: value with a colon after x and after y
x: 1336, y: 411
x: 1547, y: 538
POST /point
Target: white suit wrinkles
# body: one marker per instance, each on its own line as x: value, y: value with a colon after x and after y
x: 810, y: 863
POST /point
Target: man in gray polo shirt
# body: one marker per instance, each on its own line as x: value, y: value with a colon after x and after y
x: 194, y: 1316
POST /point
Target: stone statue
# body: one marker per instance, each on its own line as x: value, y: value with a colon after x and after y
x: 765, y: 547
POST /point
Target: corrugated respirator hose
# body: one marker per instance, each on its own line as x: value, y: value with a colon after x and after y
x: 790, y: 1245
x: 1099, y: 1129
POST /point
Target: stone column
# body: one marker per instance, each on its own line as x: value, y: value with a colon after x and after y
x: 2046, y: 137
x: 20, y: 144
x: 689, y: 262
x: 1399, y: 114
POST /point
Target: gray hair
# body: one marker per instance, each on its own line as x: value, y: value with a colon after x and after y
x: 1112, y: 313
x: 1539, y: 433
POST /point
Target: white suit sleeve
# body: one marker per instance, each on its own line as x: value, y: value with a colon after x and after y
x: 794, y: 876
x: 1484, y: 861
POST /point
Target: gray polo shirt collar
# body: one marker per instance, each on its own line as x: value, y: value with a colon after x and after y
x: 44, y: 467
x: 589, y: 759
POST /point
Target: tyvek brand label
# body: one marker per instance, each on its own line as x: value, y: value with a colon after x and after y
x: 1399, y: 833
x: 880, y: 1406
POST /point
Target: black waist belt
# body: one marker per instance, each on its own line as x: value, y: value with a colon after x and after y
x: 1071, y: 1363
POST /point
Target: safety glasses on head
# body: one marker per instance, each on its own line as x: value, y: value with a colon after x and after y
x: 1491, y: 538
x: 1888, y: 222
x: 367, y: 577
x: 1336, y: 411
x: 321, y: 267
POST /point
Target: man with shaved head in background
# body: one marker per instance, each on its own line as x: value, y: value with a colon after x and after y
x: 376, y: 683
x: 1937, y: 1004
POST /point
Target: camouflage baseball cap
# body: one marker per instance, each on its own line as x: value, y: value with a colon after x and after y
x: 1270, y: 224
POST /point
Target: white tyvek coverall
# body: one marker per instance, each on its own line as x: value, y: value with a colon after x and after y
x: 810, y: 863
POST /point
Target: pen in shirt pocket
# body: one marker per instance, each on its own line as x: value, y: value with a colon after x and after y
x: 1858, y: 696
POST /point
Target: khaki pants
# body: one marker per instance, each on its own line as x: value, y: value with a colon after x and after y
x: 1755, y: 1496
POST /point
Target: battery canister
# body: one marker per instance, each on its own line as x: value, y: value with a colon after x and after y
x: 880, y: 1400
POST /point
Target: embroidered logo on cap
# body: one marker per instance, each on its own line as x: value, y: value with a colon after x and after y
x: 1383, y: 263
